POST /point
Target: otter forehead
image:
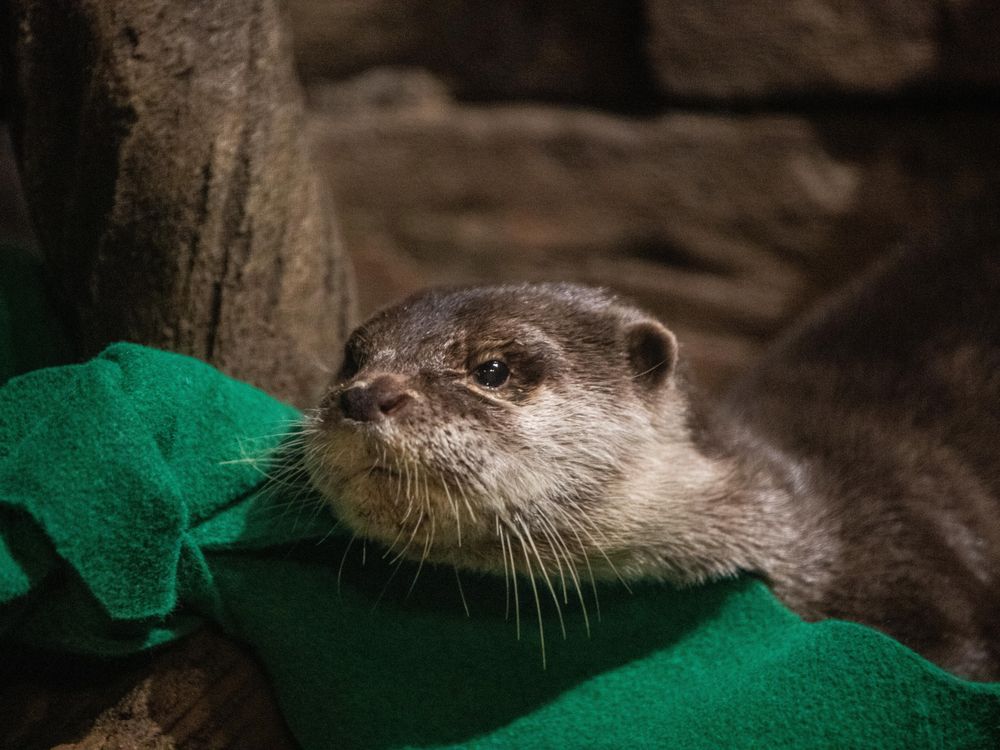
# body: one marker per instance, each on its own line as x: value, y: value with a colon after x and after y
x: 441, y: 326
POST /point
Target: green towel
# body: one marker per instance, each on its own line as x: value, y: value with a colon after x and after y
x: 132, y: 509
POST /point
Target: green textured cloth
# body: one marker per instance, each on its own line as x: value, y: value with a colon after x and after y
x: 131, y: 510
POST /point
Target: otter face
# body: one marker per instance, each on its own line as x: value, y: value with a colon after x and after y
x: 489, y: 427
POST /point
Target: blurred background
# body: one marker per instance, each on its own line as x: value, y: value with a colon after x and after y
x: 722, y: 163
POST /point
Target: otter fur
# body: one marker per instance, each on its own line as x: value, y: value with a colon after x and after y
x: 549, y: 429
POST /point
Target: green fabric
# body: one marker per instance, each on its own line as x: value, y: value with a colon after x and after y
x: 132, y: 509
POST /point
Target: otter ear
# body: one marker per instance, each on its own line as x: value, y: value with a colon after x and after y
x: 652, y: 352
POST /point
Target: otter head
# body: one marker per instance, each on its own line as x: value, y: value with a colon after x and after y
x: 497, y: 426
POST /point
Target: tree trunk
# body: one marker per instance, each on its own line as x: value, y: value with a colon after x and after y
x: 166, y: 166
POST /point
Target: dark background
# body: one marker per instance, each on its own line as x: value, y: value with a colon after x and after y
x: 721, y: 162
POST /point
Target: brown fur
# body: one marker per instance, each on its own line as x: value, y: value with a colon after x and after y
x: 855, y: 470
x: 888, y: 401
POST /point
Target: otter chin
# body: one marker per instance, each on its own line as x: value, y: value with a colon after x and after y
x: 547, y: 430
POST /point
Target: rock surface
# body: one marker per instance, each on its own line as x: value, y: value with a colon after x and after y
x: 167, y: 170
x: 203, y: 692
x: 752, y: 159
x: 725, y: 226
x: 638, y: 53
x: 563, y: 50
x: 787, y: 48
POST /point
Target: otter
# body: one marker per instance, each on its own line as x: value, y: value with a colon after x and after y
x: 549, y: 429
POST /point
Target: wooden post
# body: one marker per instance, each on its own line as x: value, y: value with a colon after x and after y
x: 166, y: 166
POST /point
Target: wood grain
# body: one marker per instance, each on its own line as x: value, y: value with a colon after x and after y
x: 203, y: 692
x: 167, y: 169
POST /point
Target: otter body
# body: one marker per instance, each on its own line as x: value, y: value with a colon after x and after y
x: 883, y: 407
x: 546, y: 429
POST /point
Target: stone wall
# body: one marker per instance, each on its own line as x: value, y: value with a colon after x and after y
x: 721, y: 162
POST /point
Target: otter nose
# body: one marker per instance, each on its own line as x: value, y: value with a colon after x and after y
x: 382, y: 397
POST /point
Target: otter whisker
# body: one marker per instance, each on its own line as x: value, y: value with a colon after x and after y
x: 405, y: 472
x: 506, y: 573
x: 402, y: 521
x: 389, y: 550
x: 290, y: 475
x: 266, y: 507
x: 413, y: 534
x: 545, y: 574
x: 406, y: 465
x: 289, y: 435
x: 385, y: 587
x: 284, y: 469
x: 402, y: 528
x: 534, y: 588
x: 465, y: 498
x: 343, y: 559
x: 586, y: 561
x: 304, y: 491
x: 461, y: 592
x: 423, y: 557
x: 429, y: 539
x: 268, y: 447
x: 253, y: 461
x: 294, y: 429
x: 513, y: 579
x: 573, y: 571
x: 599, y: 548
x: 555, y: 556
x: 454, y: 507
x: 433, y: 516
x: 398, y: 475
x: 279, y: 479
x: 427, y: 503
x: 559, y: 550
x: 328, y: 534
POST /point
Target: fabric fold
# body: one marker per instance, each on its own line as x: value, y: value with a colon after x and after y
x: 143, y: 493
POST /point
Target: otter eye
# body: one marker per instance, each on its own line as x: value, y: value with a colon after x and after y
x: 492, y: 374
x: 351, y: 363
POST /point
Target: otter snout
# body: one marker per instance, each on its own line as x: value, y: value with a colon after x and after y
x: 384, y: 396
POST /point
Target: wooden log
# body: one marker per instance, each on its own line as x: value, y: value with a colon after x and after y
x: 204, y: 692
x: 167, y: 170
